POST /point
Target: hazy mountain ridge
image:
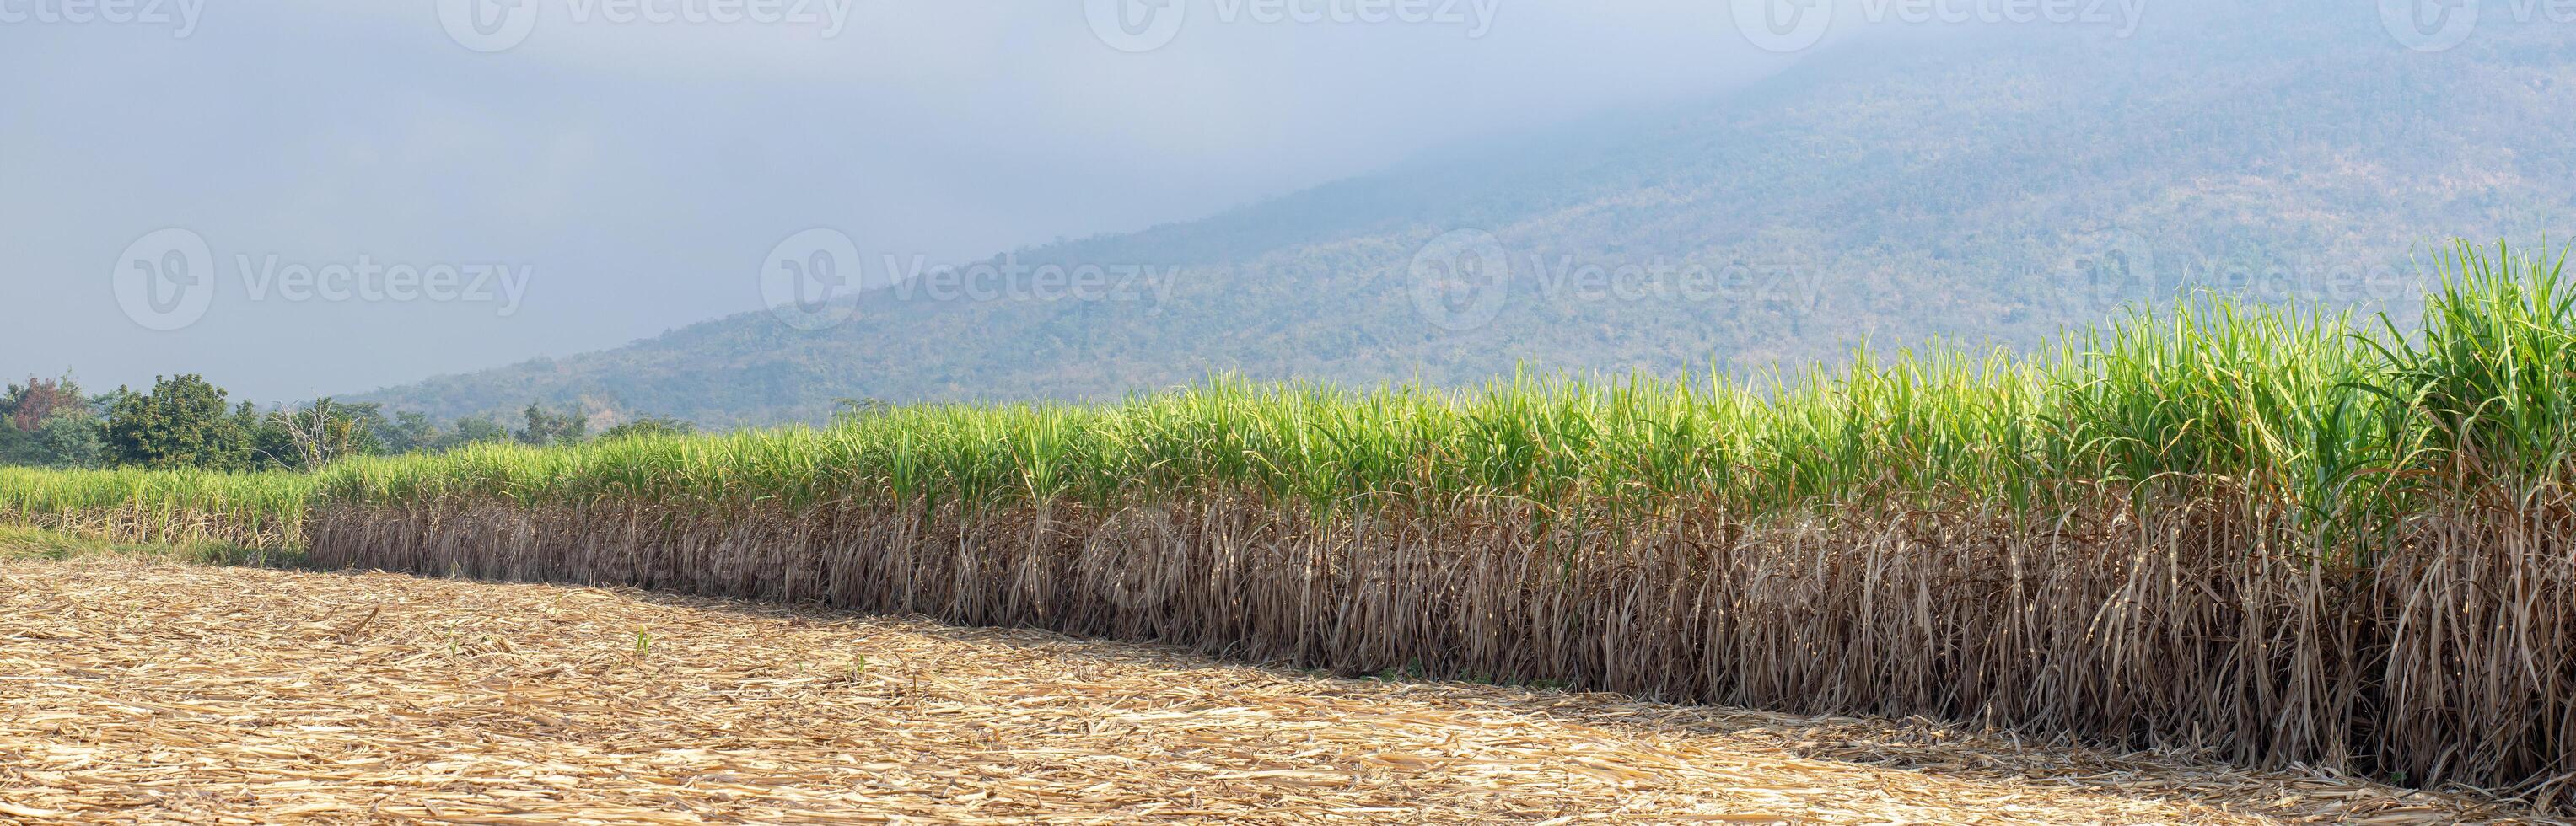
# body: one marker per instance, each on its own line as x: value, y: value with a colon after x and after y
x: 1972, y: 189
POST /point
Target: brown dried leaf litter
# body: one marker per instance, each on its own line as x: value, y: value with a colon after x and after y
x: 133, y: 690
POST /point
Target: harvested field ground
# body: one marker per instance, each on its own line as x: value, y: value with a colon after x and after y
x: 140, y: 690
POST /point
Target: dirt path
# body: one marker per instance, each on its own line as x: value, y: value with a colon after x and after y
x: 154, y: 691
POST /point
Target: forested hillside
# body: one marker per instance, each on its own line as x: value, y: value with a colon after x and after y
x: 1974, y: 189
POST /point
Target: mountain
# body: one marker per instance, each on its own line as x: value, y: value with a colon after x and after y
x: 1987, y: 188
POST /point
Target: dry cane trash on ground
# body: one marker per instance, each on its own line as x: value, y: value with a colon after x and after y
x: 134, y: 690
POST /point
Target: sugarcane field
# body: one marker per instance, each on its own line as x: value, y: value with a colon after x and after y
x: 1287, y: 412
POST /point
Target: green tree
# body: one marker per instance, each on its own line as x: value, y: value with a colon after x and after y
x: 17, y: 448
x: 548, y: 428
x: 649, y: 426
x: 69, y: 438
x: 49, y: 423
x: 409, y: 432
x: 474, y: 431
x: 182, y: 423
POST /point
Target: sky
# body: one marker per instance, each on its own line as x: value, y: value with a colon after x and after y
x: 365, y: 193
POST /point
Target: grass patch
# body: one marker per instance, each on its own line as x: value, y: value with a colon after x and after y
x: 18, y: 542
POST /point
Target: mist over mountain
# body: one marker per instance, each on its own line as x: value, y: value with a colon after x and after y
x: 1986, y: 188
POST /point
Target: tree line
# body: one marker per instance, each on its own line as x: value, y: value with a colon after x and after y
x: 186, y: 422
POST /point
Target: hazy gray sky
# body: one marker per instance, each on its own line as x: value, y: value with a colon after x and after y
x: 634, y: 172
